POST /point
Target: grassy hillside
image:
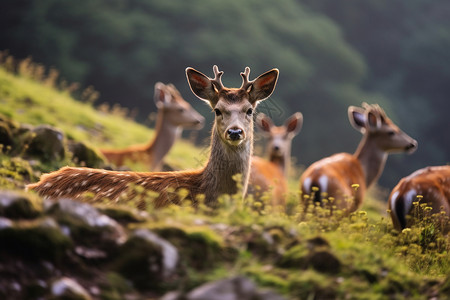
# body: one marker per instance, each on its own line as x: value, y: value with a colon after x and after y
x: 27, y: 101
x: 319, y: 255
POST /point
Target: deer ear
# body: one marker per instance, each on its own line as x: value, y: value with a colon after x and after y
x: 264, y: 122
x: 201, y: 86
x: 294, y: 123
x: 373, y: 121
x: 263, y: 86
x: 161, y: 94
x: 357, y: 118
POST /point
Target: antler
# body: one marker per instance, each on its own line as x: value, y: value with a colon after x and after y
x: 217, y: 81
x: 245, y: 83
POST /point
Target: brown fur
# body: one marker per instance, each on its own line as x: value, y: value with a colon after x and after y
x: 335, y: 175
x: 433, y: 183
x: 174, y: 114
x: 229, y: 156
x: 271, y: 175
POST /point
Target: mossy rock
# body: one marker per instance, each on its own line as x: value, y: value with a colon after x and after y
x: 122, y: 214
x: 40, y: 239
x: 84, y: 155
x: 45, y: 143
x: 141, y: 262
x: 294, y: 257
x: 18, y: 205
x: 200, y: 248
x: 311, y: 285
x: 87, y: 226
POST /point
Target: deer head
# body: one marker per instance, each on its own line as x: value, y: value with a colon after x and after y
x: 280, y: 137
x: 176, y: 110
x: 373, y: 123
x: 233, y: 107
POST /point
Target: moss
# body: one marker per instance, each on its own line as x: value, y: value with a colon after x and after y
x: 295, y: 257
x: 311, y: 285
x: 121, y: 213
x: 200, y: 247
x: 35, y: 240
x: 20, y: 205
x: 141, y: 262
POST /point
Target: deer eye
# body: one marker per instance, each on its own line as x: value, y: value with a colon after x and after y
x: 391, y: 133
x: 181, y: 110
x: 218, y: 112
x: 249, y: 111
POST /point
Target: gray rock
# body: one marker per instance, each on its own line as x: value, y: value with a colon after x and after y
x: 68, y: 289
x: 16, y: 205
x: 235, y: 288
x: 169, y: 252
x: 46, y: 143
x: 91, y: 217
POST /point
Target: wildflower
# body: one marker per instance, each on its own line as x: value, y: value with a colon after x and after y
x: 314, y: 188
x: 355, y: 186
x: 406, y: 230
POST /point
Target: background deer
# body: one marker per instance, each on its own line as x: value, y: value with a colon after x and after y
x: 266, y: 175
x: 432, y: 183
x: 230, y: 154
x: 174, y: 114
x: 336, y: 174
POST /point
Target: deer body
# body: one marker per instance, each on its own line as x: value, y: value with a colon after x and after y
x: 271, y: 175
x: 335, y: 175
x: 231, y: 150
x: 174, y: 114
x: 433, y: 183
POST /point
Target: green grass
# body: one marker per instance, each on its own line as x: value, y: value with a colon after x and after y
x: 273, y: 248
x: 27, y: 101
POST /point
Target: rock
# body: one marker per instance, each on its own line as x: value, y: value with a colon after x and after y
x: 85, y: 223
x: 46, y: 143
x: 324, y: 261
x: 68, y: 289
x: 84, y: 155
x: 16, y: 205
x: 41, y: 239
x: 169, y: 252
x: 147, y: 260
x: 235, y: 288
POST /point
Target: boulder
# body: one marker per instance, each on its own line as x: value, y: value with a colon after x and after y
x: 45, y: 142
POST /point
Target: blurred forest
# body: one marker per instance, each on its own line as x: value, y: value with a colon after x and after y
x: 331, y: 54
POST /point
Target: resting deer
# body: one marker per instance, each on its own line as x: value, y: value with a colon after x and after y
x: 335, y: 175
x: 432, y: 183
x: 231, y: 150
x: 174, y: 114
x: 271, y: 175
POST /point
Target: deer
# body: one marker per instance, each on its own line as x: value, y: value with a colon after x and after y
x: 270, y: 176
x: 231, y: 149
x: 430, y: 185
x: 344, y: 177
x: 174, y: 114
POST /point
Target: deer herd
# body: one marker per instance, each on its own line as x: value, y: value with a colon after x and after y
x: 232, y: 168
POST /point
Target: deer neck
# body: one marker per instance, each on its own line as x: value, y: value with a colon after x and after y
x: 282, y: 162
x: 224, y: 162
x: 372, y: 159
x: 165, y: 136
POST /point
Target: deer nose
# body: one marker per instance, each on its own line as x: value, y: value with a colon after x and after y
x: 411, y: 147
x: 234, y: 133
x: 276, y: 148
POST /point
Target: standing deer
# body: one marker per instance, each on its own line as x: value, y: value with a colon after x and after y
x: 272, y: 174
x: 335, y: 175
x: 432, y: 183
x: 174, y: 114
x: 230, y: 154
